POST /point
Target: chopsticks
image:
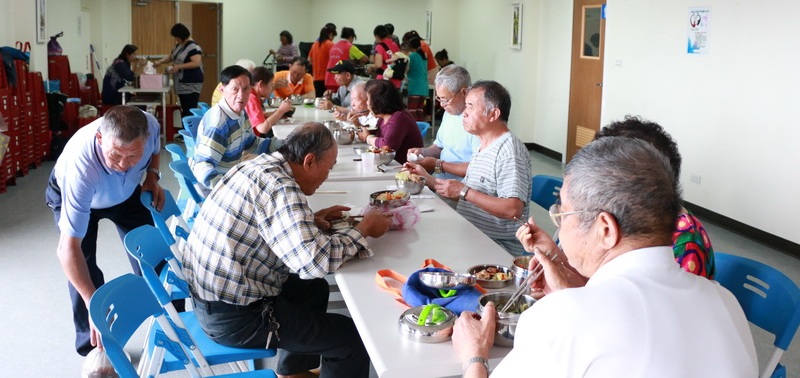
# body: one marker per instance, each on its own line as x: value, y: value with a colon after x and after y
x: 528, y: 280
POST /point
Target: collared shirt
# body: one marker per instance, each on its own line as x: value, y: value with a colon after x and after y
x: 254, y: 229
x: 86, y: 181
x: 639, y: 315
x: 342, y: 95
x: 222, y: 137
x: 456, y: 143
x: 301, y: 88
x: 502, y: 170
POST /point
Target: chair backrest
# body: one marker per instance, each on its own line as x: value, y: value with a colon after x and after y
x: 147, y: 245
x: 423, y: 127
x: 186, y: 178
x: 196, y: 111
x: 545, y: 189
x: 770, y: 300
x: 191, y: 123
x: 169, y: 221
x: 204, y: 107
x: 176, y: 152
x: 118, y: 309
x: 188, y: 140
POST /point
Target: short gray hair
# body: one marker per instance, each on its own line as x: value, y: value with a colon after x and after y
x: 629, y: 179
x: 246, y: 64
x: 308, y: 138
x: 124, y: 124
x: 453, y: 78
x: 495, y: 96
x: 361, y: 87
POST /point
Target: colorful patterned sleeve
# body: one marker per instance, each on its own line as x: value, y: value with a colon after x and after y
x: 692, y: 246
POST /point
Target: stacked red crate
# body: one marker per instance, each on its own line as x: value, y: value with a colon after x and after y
x: 7, y: 162
x: 41, y: 124
x: 8, y: 168
x: 58, y: 69
x: 23, y: 134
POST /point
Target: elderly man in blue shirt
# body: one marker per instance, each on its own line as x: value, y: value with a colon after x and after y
x: 453, y: 144
x: 99, y: 176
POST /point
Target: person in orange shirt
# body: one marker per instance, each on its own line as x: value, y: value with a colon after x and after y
x: 296, y: 80
x: 319, y: 54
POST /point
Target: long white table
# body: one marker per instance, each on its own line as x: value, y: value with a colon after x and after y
x: 302, y: 114
x: 347, y: 167
x: 443, y: 235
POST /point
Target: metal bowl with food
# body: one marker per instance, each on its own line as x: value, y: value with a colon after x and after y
x: 519, y: 266
x: 427, y: 324
x: 492, y: 276
x: 344, y: 136
x: 289, y: 113
x: 381, y: 157
x: 411, y: 187
x: 332, y: 125
x: 506, y: 325
x: 447, y: 280
x: 389, y: 198
x: 296, y: 99
x: 275, y: 102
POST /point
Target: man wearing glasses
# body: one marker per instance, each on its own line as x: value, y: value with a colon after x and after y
x: 497, y: 181
x: 639, y: 314
x: 453, y: 145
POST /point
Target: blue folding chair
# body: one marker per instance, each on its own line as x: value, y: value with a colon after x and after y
x: 423, y: 127
x: 192, y: 123
x: 188, y: 183
x: 120, y: 307
x: 176, y: 152
x: 169, y: 221
x: 770, y: 300
x: 545, y: 189
x: 149, y: 249
x: 188, y: 140
x: 196, y: 111
x: 204, y: 107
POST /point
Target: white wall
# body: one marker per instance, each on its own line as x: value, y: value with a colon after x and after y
x: 732, y: 111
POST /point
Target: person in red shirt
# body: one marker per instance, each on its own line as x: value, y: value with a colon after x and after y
x: 259, y: 90
x: 318, y: 56
x: 384, y: 49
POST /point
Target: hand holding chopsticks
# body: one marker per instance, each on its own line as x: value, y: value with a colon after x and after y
x: 532, y: 276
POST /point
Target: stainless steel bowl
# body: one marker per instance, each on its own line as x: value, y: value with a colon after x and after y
x: 447, y: 280
x: 374, y: 201
x: 506, y: 325
x: 344, y: 136
x: 520, y: 268
x: 411, y: 187
x: 384, y: 157
x: 492, y: 284
x: 331, y: 125
x: 296, y: 99
x: 275, y: 102
x: 435, y: 332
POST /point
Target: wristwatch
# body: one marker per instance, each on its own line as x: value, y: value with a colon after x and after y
x: 438, y: 168
x: 156, y: 171
x: 463, y: 195
x: 476, y: 359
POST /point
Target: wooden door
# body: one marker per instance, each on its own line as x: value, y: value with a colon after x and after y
x: 150, y: 23
x: 205, y: 31
x: 586, y: 79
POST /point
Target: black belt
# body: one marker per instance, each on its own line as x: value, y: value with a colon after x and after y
x: 219, y: 306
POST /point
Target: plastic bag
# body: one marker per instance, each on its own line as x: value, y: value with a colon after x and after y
x: 53, y: 47
x: 97, y: 365
x: 87, y: 111
x: 403, y: 217
x: 149, y: 69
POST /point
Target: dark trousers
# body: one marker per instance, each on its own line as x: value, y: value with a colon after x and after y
x: 126, y: 216
x: 306, y: 330
x: 188, y: 101
x: 319, y: 87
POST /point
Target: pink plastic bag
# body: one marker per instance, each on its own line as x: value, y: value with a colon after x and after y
x: 403, y: 217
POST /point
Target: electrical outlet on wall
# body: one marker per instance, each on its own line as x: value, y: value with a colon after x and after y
x: 696, y: 179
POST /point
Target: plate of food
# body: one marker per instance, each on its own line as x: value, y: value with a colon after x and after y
x: 390, y: 198
x: 492, y: 276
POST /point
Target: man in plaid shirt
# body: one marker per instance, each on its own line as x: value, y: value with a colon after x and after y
x: 257, y: 254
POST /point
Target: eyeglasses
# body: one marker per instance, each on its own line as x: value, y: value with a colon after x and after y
x: 444, y: 101
x: 556, y: 214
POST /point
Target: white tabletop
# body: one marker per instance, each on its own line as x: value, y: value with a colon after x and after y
x: 302, y: 114
x: 443, y: 235
x: 349, y: 166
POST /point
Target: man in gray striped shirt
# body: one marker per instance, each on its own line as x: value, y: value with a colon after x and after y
x: 497, y: 180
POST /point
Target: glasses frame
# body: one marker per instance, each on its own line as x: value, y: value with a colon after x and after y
x: 556, y: 215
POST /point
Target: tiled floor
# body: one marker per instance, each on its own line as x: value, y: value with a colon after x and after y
x: 37, y: 340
